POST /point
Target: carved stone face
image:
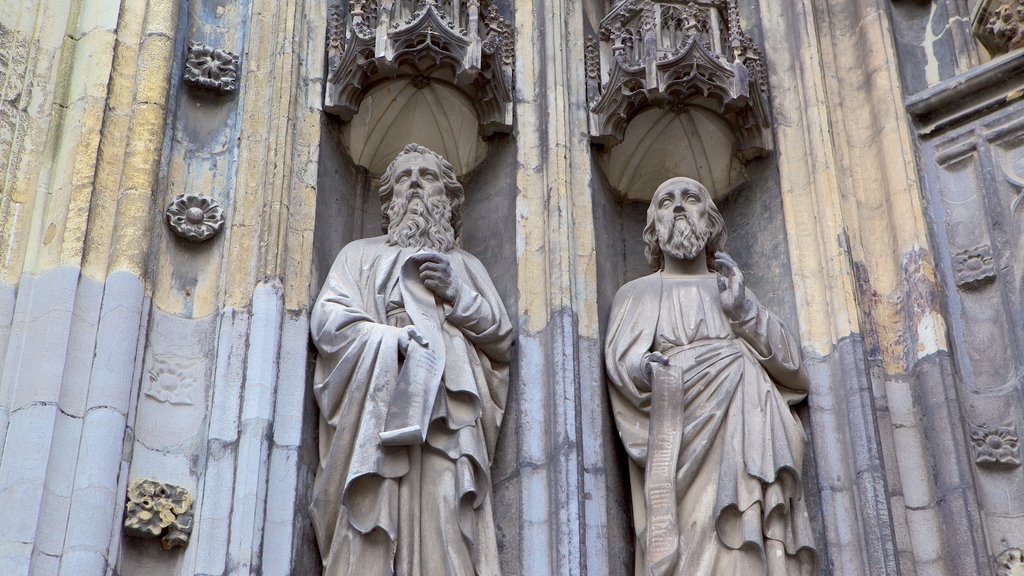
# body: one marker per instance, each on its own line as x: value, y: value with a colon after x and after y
x: 682, y: 217
x: 420, y: 211
x: 417, y: 178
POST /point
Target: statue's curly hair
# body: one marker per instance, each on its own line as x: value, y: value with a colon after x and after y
x: 652, y: 247
x: 456, y: 194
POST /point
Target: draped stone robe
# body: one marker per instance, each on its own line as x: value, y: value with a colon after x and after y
x: 406, y: 510
x: 738, y: 505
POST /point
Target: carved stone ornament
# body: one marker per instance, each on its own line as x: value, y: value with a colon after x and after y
x: 171, y: 382
x: 996, y: 445
x: 195, y: 217
x: 1010, y: 562
x: 999, y: 25
x: 676, y: 54
x: 211, y: 69
x: 159, y: 510
x: 464, y: 43
x: 973, y: 268
x: 592, y: 58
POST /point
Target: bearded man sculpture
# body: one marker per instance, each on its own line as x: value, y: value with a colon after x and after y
x: 701, y: 378
x: 411, y: 381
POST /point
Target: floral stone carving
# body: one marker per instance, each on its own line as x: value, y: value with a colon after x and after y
x: 463, y: 43
x: 195, y: 217
x: 211, y: 68
x: 159, y: 510
x: 673, y: 55
x: 973, y: 267
x: 996, y: 445
x: 171, y: 382
x: 999, y: 25
x: 1010, y: 562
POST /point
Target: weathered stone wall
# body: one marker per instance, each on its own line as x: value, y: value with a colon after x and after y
x: 128, y: 352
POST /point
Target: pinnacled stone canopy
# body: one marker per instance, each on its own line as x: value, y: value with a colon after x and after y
x: 691, y: 62
x: 464, y: 44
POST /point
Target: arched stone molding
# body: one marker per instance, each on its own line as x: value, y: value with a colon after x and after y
x: 463, y: 44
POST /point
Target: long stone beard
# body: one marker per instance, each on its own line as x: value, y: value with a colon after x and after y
x: 683, y: 238
x: 421, y: 224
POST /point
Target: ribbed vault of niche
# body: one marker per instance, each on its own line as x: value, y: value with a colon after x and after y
x: 398, y: 112
x: 661, y: 144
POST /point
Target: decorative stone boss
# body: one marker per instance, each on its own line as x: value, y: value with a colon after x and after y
x: 411, y: 381
x: 701, y: 378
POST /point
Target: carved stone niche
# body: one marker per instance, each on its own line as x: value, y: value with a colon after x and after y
x: 999, y: 25
x: 675, y: 55
x: 461, y: 42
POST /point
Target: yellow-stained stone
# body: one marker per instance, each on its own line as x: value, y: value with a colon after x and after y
x: 131, y: 232
x: 145, y: 133
x: 882, y: 208
x: 161, y: 18
x: 82, y: 182
x: 823, y: 281
x: 261, y: 137
x: 241, y: 262
x: 111, y: 159
x: 69, y: 183
x: 156, y: 58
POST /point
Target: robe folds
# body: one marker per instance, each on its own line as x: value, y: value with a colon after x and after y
x: 407, y: 510
x: 738, y: 446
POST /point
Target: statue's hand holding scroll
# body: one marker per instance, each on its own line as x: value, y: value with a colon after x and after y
x: 406, y: 336
x: 649, y: 360
x: 733, y: 293
x: 437, y: 275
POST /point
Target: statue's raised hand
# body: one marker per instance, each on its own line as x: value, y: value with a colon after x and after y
x: 437, y: 275
x: 735, y: 303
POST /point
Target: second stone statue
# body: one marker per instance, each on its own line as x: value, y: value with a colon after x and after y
x: 411, y: 378
x: 701, y: 378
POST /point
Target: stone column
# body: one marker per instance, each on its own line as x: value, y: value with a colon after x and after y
x: 890, y: 456
x: 560, y: 413
x: 82, y: 149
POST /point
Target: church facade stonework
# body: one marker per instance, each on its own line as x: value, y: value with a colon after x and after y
x: 213, y: 362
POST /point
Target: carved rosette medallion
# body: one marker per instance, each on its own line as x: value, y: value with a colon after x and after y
x: 674, y: 54
x: 159, y: 510
x: 996, y: 446
x: 973, y: 268
x: 468, y: 44
x: 211, y: 69
x: 999, y: 25
x: 1010, y: 562
x: 195, y: 217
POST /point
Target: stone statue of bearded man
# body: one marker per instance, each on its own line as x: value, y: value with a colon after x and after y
x: 411, y: 379
x: 701, y: 379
